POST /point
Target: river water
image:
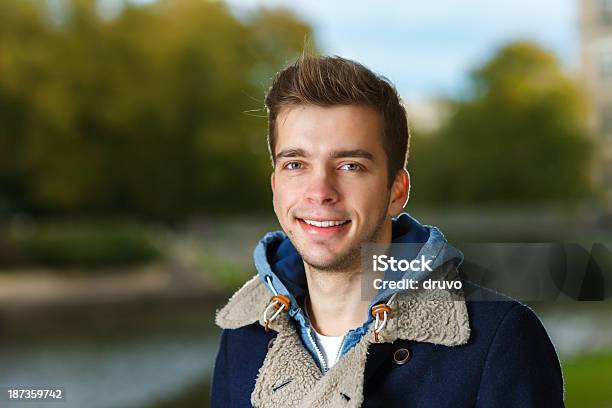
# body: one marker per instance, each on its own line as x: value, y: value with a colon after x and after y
x: 110, y: 356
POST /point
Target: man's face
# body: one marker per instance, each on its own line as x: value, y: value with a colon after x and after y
x: 330, y: 183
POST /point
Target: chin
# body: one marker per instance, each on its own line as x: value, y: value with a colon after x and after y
x: 325, y: 260
x: 319, y: 259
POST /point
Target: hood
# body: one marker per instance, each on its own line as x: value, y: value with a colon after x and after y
x: 281, y: 269
x: 434, y: 316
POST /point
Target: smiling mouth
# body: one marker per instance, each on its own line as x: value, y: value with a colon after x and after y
x: 324, y: 223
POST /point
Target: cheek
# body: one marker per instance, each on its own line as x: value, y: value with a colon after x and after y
x: 282, y: 197
x: 366, y: 197
x: 275, y: 205
x: 279, y: 208
x: 285, y: 189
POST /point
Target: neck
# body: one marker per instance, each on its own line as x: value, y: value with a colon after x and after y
x: 336, y: 302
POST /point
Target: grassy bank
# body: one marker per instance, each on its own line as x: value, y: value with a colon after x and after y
x: 588, y: 380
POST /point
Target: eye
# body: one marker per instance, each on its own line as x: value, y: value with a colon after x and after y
x: 293, y: 165
x: 351, y: 167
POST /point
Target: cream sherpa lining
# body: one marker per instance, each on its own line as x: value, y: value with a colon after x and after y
x: 289, y: 377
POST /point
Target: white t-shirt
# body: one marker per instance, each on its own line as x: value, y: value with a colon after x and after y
x: 330, y: 347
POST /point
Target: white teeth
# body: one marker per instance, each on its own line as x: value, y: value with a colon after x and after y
x: 325, y: 224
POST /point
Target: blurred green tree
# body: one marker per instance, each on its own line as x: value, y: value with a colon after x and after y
x: 156, y: 111
x: 519, y: 137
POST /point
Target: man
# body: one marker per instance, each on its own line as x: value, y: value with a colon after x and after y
x: 300, y: 333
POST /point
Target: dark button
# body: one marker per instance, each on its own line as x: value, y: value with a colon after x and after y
x: 271, y: 343
x: 401, y: 356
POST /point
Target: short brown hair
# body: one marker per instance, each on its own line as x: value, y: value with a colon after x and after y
x: 330, y: 81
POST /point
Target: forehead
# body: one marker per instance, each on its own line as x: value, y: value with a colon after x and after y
x: 325, y: 128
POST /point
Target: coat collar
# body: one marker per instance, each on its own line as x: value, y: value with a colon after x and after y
x: 438, y: 317
x: 289, y: 377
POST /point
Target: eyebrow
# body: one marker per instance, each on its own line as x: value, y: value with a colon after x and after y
x: 291, y: 153
x: 364, y: 154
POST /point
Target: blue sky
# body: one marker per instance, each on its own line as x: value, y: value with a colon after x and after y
x: 427, y: 48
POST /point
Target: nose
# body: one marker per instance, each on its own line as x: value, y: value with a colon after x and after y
x: 321, y: 188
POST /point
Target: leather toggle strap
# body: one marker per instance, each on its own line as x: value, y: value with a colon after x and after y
x: 380, y: 309
x: 380, y: 312
x: 281, y: 304
x: 282, y: 300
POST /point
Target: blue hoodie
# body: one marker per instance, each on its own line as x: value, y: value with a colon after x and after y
x: 281, y: 268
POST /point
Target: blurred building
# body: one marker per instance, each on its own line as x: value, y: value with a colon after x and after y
x: 596, y: 56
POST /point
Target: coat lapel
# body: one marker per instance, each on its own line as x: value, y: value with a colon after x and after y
x: 288, y: 372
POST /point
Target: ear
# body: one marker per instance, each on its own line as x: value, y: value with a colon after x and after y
x: 400, y: 192
x: 272, y: 182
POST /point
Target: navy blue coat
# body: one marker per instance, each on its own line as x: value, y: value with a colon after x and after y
x: 508, y: 361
